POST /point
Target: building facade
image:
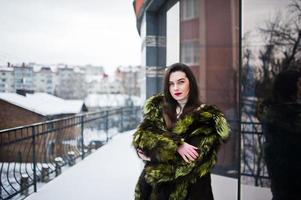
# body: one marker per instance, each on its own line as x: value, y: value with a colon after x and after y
x: 7, y: 83
x: 129, y: 79
x: 205, y: 36
x: 44, y: 80
x: 23, y: 77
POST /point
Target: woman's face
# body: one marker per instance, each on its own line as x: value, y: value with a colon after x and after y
x: 178, y: 85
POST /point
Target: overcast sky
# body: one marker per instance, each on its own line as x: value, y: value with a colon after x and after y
x: 256, y: 12
x: 96, y: 32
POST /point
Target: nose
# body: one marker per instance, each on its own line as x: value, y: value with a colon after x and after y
x: 176, y: 87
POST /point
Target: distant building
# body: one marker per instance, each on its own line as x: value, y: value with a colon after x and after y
x: 130, y: 79
x: 23, y: 77
x: 44, y: 80
x: 92, y: 71
x: 7, y: 83
x: 19, y: 110
x: 100, y: 101
x: 70, y: 83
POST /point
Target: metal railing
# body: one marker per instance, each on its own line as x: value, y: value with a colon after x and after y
x: 34, y: 154
x: 253, y: 166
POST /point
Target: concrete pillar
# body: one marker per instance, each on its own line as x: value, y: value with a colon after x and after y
x: 153, y: 34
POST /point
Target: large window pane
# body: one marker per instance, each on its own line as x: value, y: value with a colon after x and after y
x: 271, y: 44
x: 173, y: 35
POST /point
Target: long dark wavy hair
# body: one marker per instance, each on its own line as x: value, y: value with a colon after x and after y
x: 170, y: 104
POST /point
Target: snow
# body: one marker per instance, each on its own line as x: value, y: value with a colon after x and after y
x: 111, y: 172
x: 41, y: 102
x: 9, y: 69
x: 110, y: 100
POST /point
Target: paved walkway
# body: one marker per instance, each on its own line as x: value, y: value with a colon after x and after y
x: 111, y: 174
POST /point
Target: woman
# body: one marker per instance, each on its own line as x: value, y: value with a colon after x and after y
x: 178, y: 140
x: 282, y: 129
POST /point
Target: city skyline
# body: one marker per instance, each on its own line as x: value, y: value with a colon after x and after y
x: 70, y: 32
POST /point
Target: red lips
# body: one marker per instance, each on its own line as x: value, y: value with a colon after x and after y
x: 178, y: 93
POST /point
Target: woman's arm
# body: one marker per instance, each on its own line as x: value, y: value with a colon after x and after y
x: 155, y: 146
x: 209, y: 131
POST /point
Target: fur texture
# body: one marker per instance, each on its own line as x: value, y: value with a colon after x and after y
x: 167, y: 175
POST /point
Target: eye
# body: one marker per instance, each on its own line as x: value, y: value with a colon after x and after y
x: 171, y: 83
x: 181, y: 82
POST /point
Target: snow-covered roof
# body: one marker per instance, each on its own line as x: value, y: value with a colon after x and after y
x: 43, y: 103
x: 10, y: 69
x: 110, y: 100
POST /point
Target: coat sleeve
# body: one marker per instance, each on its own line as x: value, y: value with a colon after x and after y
x: 158, y: 144
x: 211, y: 131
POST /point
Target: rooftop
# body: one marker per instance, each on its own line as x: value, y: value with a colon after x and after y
x: 43, y: 103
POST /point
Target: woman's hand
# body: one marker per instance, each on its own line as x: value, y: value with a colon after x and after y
x: 142, y: 155
x: 188, y: 152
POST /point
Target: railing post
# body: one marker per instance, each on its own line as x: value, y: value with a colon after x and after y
x: 58, y: 163
x: 136, y: 116
x: 71, y: 158
x: 34, y: 159
x: 24, y: 183
x: 107, y: 125
x: 45, y: 173
x: 121, y: 119
x: 82, y: 136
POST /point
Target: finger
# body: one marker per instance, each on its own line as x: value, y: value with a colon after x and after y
x: 184, y: 158
x: 140, y: 155
x: 194, y: 153
x: 189, y: 157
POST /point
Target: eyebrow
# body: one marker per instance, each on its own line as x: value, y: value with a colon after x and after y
x: 179, y: 79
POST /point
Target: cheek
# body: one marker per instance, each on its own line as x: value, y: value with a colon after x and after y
x: 170, y: 89
x: 186, y: 88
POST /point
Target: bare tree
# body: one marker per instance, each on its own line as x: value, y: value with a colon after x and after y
x: 282, y: 49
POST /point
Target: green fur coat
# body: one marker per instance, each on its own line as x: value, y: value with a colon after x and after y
x: 204, y: 128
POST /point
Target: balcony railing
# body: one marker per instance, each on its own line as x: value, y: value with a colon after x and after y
x: 253, y: 167
x: 34, y: 154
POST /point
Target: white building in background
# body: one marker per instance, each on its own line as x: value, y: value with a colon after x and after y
x: 130, y: 79
x: 44, y: 80
x: 7, y: 83
x: 23, y: 77
x: 96, y: 79
x: 99, y: 101
x: 70, y: 83
x: 92, y: 71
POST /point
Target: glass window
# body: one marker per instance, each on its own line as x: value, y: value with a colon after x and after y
x: 173, y: 35
x: 190, y: 53
x: 190, y: 9
x: 271, y: 31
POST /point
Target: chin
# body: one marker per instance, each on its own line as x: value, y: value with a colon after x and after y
x: 178, y: 98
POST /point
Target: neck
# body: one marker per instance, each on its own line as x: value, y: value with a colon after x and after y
x: 182, y: 102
